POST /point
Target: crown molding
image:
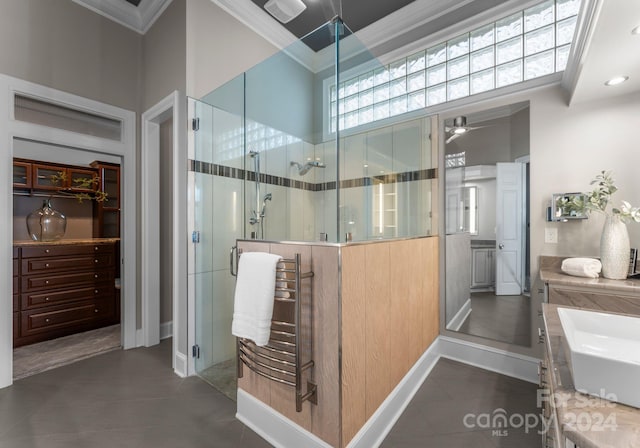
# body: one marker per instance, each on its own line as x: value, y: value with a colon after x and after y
x: 585, y: 28
x: 138, y: 19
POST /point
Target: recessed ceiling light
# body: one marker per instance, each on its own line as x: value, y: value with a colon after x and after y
x: 636, y: 30
x: 616, y: 80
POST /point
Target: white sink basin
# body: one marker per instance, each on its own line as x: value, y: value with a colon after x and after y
x: 604, y: 354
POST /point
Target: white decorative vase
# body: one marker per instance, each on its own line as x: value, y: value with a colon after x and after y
x: 614, y: 248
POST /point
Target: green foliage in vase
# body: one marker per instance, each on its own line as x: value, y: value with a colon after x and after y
x: 598, y: 199
x: 81, y: 182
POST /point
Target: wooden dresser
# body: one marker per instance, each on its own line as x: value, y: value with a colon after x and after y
x: 63, y: 287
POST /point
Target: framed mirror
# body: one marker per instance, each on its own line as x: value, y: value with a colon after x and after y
x: 568, y: 206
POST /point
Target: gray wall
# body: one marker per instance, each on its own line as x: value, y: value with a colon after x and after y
x: 487, y: 145
x: 219, y: 47
x: 520, y: 134
x: 164, y: 57
x: 166, y: 221
x: 63, y: 45
x: 569, y: 146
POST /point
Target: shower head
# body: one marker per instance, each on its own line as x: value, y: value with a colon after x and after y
x: 304, y: 169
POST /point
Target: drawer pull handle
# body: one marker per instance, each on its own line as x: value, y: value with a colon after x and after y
x: 46, y: 265
x: 46, y: 282
x: 95, y: 291
x: 96, y: 310
x: 46, y: 299
x: 47, y: 320
x: 95, y: 248
x: 95, y: 275
x: 95, y: 261
x: 46, y: 251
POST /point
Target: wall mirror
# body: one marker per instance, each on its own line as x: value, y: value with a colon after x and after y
x: 487, y: 225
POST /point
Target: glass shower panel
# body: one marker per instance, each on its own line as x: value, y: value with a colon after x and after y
x: 285, y: 121
x: 217, y: 182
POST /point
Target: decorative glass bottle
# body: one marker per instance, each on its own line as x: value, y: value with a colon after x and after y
x: 46, y: 224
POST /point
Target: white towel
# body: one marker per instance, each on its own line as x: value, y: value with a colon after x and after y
x: 581, y: 267
x: 253, y: 301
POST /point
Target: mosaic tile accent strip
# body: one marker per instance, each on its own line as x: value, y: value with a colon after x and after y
x: 238, y: 173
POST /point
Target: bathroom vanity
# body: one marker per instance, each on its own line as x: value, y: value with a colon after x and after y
x: 373, y: 313
x: 584, y: 421
x: 620, y: 296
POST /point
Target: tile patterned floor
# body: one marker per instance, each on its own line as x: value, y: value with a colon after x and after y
x: 502, y: 318
x: 36, y: 358
x: 131, y: 398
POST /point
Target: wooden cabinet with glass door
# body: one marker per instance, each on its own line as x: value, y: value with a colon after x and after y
x: 106, y: 215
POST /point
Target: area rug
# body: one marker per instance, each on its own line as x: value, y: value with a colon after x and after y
x: 36, y: 358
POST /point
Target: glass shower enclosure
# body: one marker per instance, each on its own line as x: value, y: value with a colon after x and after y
x: 293, y: 150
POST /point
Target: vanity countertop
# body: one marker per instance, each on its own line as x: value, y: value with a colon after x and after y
x: 589, y: 422
x: 551, y: 273
x: 24, y: 243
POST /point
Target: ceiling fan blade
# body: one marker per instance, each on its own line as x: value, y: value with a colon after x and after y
x: 452, y: 138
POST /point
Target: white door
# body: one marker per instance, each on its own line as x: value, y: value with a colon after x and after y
x: 509, y: 228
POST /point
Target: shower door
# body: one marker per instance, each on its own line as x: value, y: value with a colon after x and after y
x: 216, y: 211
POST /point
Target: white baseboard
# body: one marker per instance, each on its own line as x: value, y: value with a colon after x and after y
x: 283, y: 433
x: 139, y: 338
x: 180, y: 364
x: 272, y: 426
x: 378, y: 426
x: 456, y: 322
x: 489, y: 358
x: 166, y: 330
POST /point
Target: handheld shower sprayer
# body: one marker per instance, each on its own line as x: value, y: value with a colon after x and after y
x: 304, y: 169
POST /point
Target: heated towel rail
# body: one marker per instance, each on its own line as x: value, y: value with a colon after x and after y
x: 281, y: 359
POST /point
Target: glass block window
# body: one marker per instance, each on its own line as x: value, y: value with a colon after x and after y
x: 526, y: 45
x: 455, y: 160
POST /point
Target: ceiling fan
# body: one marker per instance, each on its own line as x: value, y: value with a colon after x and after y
x: 459, y: 127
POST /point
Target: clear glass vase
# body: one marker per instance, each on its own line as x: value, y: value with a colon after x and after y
x: 46, y: 224
x: 614, y: 248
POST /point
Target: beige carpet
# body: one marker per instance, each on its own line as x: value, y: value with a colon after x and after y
x: 36, y: 358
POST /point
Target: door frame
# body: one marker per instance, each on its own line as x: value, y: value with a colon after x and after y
x: 10, y: 128
x: 173, y: 105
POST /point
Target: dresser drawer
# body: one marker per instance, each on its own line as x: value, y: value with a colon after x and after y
x: 16, y: 267
x: 16, y: 285
x: 40, y: 299
x: 67, y: 281
x: 51, y: 318
x: 66, y: 250
x: 16, y: 302
x: 41, y: 265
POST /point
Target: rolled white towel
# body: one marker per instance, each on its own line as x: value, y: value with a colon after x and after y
x: 582, y: 267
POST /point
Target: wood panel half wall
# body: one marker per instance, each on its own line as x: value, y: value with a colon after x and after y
x: 374, y: 313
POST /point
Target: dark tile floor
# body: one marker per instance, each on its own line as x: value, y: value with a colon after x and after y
x: 456, y: 405
x: 512, y: 313
x: 133, y: 399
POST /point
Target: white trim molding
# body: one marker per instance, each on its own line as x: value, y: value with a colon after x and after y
x: 173, y: 105
x: 488, y: 358
x: 166, y: 330
x: 281, y: 432
x: 10, y: 129
x: 460, y: 317
x: 272, y: 426
x: 137, y: 18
